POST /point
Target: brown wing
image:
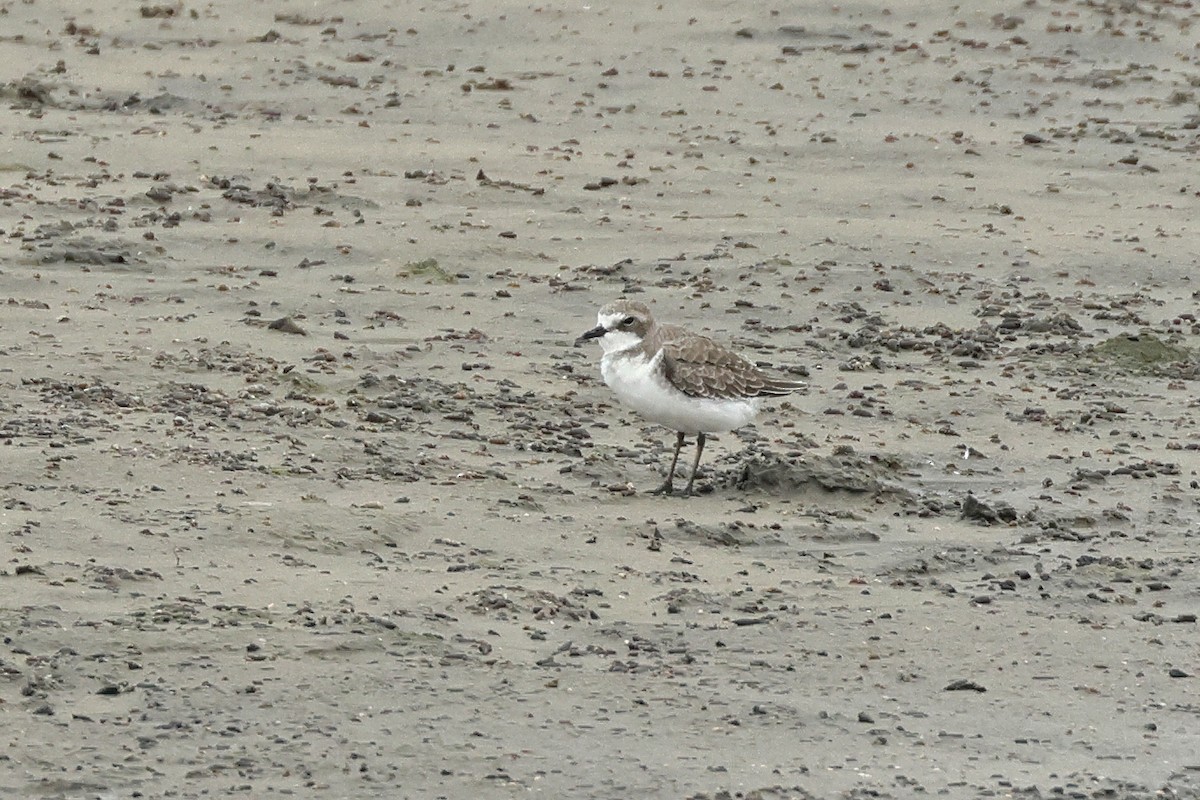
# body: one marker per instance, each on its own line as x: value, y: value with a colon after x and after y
x: 699, y: 367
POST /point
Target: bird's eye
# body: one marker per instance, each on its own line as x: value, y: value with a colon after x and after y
x: 628, y: 321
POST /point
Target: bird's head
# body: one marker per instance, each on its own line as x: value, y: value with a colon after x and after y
x: 619, y: 325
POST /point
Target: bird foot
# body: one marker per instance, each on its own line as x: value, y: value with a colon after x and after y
x: 669, y: 489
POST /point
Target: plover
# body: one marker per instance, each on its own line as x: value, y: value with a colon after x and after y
x: 681, y: 380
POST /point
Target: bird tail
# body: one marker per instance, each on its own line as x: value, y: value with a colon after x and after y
x: 779, y: 388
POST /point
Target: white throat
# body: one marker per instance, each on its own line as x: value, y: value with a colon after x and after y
x: 617, y: 341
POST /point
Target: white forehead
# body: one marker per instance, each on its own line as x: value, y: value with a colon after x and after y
x: 609, y: 319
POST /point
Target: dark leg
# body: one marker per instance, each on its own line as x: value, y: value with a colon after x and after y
x: 696, y: 463
x: 667, y: 488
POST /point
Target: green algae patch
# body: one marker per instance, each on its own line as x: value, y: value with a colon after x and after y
x: 1144, y: 352
x: 429, y: 269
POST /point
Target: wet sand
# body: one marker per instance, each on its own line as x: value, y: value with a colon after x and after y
x: 308, y: 492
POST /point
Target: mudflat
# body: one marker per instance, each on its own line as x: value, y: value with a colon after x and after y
x: 307, y: 492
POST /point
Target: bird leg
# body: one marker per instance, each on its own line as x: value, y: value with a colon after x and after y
x: 696, y: 463
x: 667, y: 488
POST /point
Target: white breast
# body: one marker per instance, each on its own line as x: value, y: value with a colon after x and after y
x: 639, y: 384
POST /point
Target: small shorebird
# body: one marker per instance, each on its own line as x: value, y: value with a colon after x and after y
x: 678, y: 379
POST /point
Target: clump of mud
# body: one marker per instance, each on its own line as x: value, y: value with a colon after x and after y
x: 851, y: 472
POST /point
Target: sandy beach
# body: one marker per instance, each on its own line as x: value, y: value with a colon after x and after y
x: 308, y: 492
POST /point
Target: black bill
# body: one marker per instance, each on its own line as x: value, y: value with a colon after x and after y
x: 594, y: 333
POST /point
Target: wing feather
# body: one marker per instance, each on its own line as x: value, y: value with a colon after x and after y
x: 699, y: 367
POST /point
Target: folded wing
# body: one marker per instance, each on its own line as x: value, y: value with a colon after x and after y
x: 699, y: 367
